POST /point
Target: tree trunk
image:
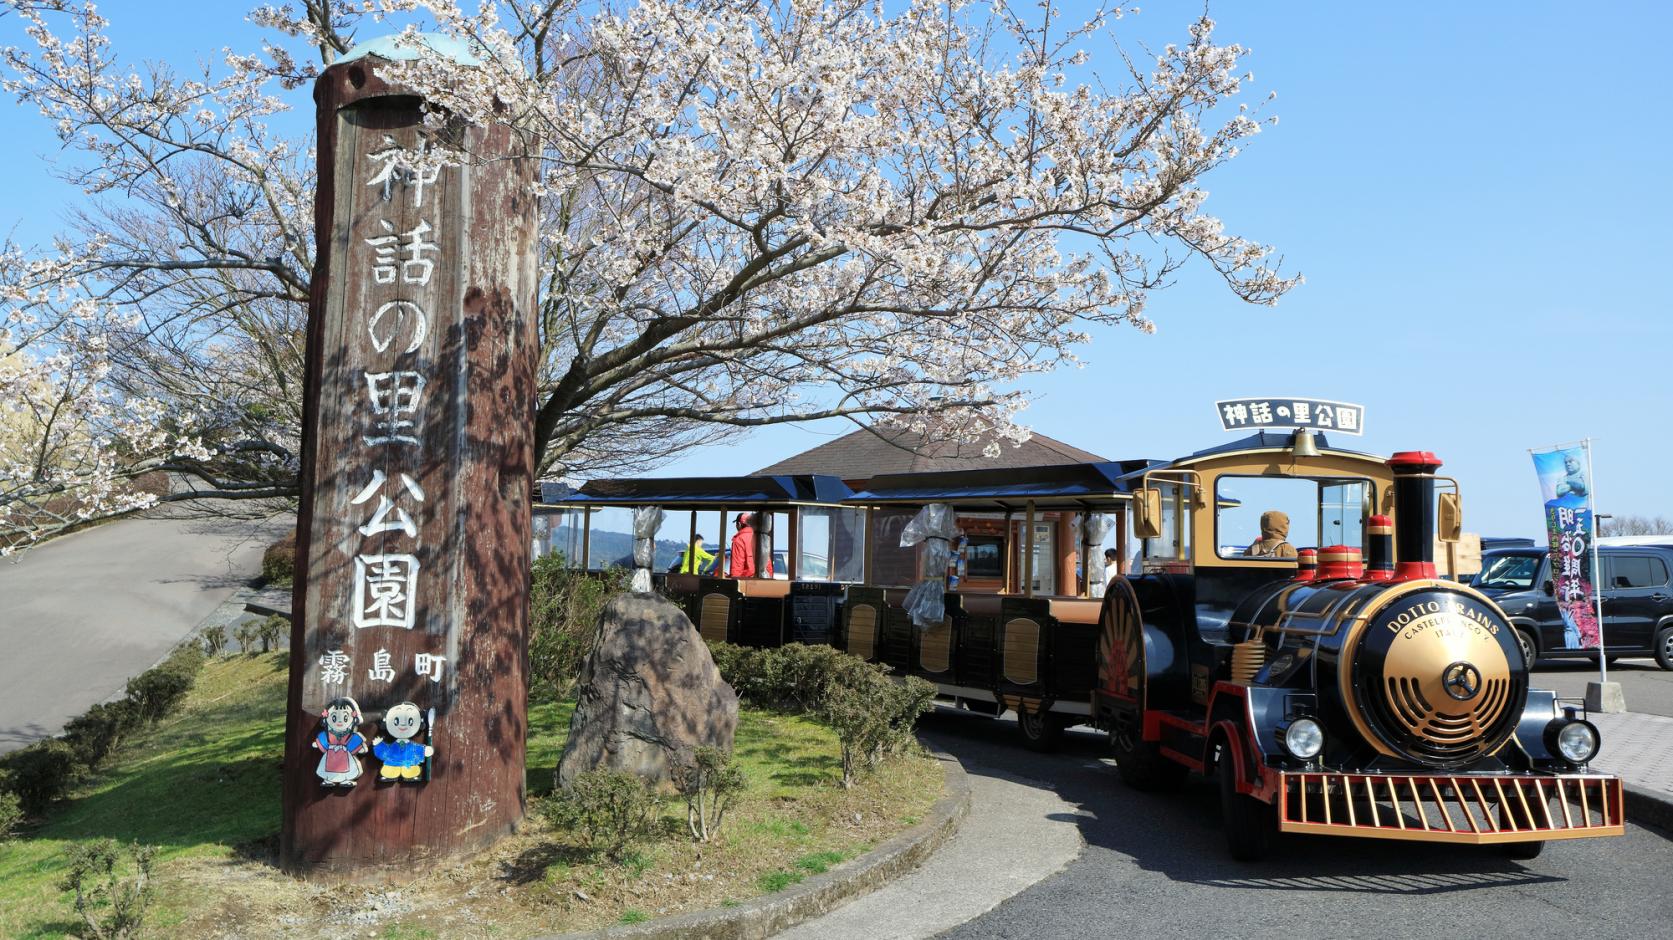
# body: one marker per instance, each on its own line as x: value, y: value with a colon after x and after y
x: 413, y: 544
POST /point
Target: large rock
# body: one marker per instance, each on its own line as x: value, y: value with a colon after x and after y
x: 649, y: 691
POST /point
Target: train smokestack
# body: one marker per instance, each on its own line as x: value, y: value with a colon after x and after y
x: 1340, y: 561
x: 1380, y: 562
x: 1414, y: 506
x: 1306, y: 564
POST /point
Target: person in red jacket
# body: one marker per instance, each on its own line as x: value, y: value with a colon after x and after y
x: 741, y: 564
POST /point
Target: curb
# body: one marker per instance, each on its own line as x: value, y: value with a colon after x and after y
x: 1652, y: 808
x: 769, y: 914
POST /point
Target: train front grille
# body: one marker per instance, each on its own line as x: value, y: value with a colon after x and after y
x: 1451, y: 808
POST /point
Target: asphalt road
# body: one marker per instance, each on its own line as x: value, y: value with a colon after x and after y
x: 1648, y: 688
x: 1155, y: 865
x: 81, y: 614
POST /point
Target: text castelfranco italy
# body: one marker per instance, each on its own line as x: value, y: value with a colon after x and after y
x: 1442, y: 615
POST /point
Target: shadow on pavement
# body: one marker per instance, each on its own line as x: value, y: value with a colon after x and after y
x: 1178, y: 834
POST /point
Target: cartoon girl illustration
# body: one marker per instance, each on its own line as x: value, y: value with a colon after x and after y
x: 339, y: 742
x: 403, y: 758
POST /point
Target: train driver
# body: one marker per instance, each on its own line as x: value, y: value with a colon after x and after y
x: 1275, y: 530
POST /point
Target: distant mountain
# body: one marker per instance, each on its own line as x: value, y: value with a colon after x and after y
x: 615, y: 549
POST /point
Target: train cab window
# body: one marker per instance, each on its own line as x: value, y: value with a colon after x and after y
x: 830, y: 544
x: 1273, y: 517
x: 1173, y: 547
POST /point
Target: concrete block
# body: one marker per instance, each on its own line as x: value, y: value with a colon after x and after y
x: 1605, y: 697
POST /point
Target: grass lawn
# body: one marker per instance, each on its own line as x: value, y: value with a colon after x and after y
x: 204, y: 787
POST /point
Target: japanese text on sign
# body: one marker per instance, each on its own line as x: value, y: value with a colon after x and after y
x: 1242, y: 414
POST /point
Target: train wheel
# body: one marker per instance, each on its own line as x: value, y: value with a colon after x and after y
x: 1140, y: 762
x: 1041, y: 730
x: 1250, y: 824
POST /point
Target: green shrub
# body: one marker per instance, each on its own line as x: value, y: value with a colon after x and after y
x: 274, y: 631
x: 214, y: 640
x: 97, y: 732
x: 248, y: 636
x: 609, y: 809
x: 278, y: 563
x: 564, y: 605
x: 111, y: 902
x: 155, y: 692
x: 710, y: 784
x: 872, y: 714
x: 11, y: 807
x: 40, y: 774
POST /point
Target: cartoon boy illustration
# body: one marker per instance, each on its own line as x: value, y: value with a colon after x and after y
x: 339, y: 742
x: 403, y: 758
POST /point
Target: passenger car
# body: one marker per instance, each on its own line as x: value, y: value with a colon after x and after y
x: 1637, y: 600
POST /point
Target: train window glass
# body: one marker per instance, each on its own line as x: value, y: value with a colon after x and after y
x: 1634, y: 571
x: 780, y: 534
x: 984, y: 557
x: 892, y: 565
x: 610, y: 539
x: 832, y: 544
x: 562, y: 535
x: 1241, y: 502
x: 1173, y: 546
x: 1043, y: 546
x: 671, y: 539
x: 1343, y: 508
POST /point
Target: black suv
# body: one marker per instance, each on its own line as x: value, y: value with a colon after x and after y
x: 1637, y: 600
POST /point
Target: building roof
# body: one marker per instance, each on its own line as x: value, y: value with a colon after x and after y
x: 871, y: 451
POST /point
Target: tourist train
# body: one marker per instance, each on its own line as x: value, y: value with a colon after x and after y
x: 1274, y: 618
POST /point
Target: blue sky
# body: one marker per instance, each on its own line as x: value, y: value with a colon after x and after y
x: 1477, y: 194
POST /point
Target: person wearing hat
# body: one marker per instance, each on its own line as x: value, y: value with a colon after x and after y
x: 742, y: 562
x: 1275, y: 530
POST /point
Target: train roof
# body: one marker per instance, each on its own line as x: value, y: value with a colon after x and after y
x: 711, y: 491
x: 1255, y: 443
x: 1006, y: 488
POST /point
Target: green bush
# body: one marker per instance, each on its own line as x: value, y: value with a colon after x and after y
x: 564, y: 605
x: 11, y: 807
x: 872, y: 714
x: 791, y: 678
x: 155, y: 692
x: 278, y: 563
x: 40, y: 774
x: 111, y: 902
x: 274, y: 631
x: 214, y: 640
x: 610, y: 809
x: 710, y: 784
x: 95, y: 734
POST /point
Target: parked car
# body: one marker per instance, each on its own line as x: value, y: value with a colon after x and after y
x: 1637, y: 600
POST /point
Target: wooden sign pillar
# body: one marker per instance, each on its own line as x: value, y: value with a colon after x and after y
x: 413, y: 544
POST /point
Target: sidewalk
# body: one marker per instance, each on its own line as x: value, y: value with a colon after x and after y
x: 1638, y: 748
x: 1019, y: 832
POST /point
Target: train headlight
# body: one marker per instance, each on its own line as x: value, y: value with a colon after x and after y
x: 1304, y: 739
x: 1573, y: 739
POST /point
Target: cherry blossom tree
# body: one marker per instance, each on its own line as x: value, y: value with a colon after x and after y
x: 756, y: 211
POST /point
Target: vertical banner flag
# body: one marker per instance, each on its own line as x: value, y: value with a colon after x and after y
x: 1568, y: 526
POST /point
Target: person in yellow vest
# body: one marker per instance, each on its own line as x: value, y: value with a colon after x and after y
x: 694, y: 560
